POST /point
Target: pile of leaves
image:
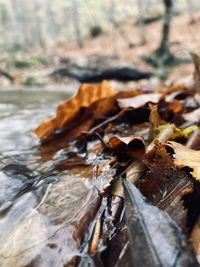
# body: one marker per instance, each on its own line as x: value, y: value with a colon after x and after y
x: 140, y: 151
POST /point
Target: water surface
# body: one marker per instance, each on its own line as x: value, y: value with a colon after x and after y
x: 35, y: 202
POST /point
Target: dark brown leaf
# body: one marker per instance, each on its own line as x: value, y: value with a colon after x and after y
x: 155, y: 239
x: 163, y: 181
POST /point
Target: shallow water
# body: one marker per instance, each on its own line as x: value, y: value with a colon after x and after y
x: 35, y: 202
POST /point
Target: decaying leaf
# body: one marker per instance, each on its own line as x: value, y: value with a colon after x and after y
x: 195, y: 239
x: 155, y: 239
x: 163, y: 181
x: 178, y: 213
x: 109, y: 136
x: 186, y: 157
x: 131, y: 145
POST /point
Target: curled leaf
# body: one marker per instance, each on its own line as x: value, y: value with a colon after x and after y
x: 131, y: 145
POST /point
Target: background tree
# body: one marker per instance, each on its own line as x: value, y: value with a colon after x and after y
x: 76, y: 22
x: 190, y: 9
x: 162, y: 55
x: 142, y: 10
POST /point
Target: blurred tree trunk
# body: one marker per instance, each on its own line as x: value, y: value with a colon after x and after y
x: 162, y: 56
x: 190, y: 11
x: 141, y: 7
x: 164, y: 45
x: 38, y: 25
x: 76, y: 22
x: 116, y: 24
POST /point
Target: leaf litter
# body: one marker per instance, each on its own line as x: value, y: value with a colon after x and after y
x: 136, y: 154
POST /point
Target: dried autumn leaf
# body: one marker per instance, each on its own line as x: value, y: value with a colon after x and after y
x: 171, y: 89
x: 163, y: 181
x: 131, y: 145
x: 194, y: 140
x: 67, y: 111
x: 192, y: 116
x: 154, y: 117
x: 133, y: 172
x: 139, y: 100
x: 186, y: 157
x: 175, y: 106
x: 177, y: 132
x: 196, y: 74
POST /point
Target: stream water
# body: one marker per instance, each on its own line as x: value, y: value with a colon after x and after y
x: 28, y: 221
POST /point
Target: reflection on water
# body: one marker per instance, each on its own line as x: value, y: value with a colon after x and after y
x: 32, y: 234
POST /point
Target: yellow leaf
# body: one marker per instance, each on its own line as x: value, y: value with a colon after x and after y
x: 186, y: 157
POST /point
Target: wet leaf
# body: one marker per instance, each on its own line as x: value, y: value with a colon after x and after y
x: 195, y: 238
x: 68, y: 110
x: 178, y: 213
x: 133, y: 173
x: 155, y: 239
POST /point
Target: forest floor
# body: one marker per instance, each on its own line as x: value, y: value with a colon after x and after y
x: 33, y: 68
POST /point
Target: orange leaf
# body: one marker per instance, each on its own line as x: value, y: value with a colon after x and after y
x: 66, y: 112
